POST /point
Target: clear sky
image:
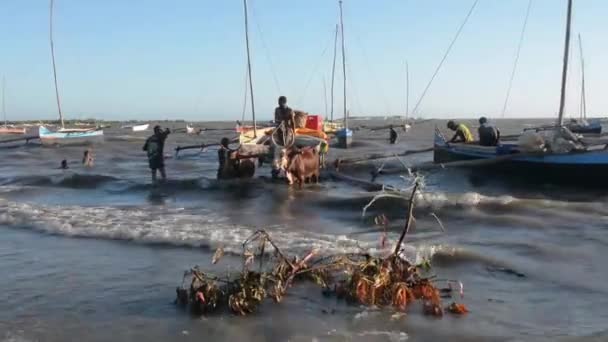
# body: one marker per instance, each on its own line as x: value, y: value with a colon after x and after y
x: 157, y: 59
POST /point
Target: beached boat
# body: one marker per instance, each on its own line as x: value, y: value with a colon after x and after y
x: 69, y: 136
x: 137, y: 128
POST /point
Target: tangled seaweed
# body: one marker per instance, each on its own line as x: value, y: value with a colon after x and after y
x: 359, y: 278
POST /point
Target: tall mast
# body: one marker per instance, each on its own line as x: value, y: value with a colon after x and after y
x: 343, y: 66
x: 407, y: 91
x: 255, y: 131
x: 3, y: 104
x: 333, y: 73
x: 562, y: 100
x: 583, y: 91
x: 54, y: 67
x: 325, y: 94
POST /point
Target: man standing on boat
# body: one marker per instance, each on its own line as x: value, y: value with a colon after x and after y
x: 488, y: 134
x: 155, y: 146
x: 463, y: 134
x: 284, y: 119
x: 284, y: 115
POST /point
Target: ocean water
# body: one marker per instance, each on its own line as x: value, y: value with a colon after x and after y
x: 95, y: 254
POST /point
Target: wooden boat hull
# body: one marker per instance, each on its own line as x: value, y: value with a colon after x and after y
x: 69, y: 137
x: 588, y: 168
x: 593, y: 126
x: 12, y: 130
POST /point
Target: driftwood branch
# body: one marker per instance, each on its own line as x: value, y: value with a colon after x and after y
x: 408, y: 220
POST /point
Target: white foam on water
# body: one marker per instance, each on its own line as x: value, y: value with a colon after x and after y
x: 183, y: 227
x: 176, y: 226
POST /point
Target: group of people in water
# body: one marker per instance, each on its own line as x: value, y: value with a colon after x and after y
x: 489, y: 135
x: 284, y: 121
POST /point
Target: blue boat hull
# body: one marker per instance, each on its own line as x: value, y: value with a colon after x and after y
x: 589, y: 168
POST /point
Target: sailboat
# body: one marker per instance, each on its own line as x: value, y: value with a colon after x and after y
x: 586, y: 165
x: 65, y: 136
x: 345, y: 135
x: 6, y: 129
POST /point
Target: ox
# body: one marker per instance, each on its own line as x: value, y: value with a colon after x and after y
x: 300, y: 164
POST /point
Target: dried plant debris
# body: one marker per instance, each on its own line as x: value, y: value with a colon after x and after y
x: 358, y: 278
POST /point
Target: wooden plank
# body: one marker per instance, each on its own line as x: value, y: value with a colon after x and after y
x: 26, y: 139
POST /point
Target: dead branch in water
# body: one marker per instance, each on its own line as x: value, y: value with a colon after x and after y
x: 355, y: 277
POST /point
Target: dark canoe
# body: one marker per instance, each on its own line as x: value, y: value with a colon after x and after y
x: 593, y: 126
x: 587, y: 168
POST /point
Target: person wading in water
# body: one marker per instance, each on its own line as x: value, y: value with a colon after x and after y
x: 285, y: 116
x: 223, y: 154
x: 155, y: 146
x: 393, y: 135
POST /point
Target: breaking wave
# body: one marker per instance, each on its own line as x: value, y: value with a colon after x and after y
x: 173, y: 226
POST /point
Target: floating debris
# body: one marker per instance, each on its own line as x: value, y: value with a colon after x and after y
x: 360, y: 278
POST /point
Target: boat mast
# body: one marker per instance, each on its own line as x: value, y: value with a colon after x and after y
x: 54, y: 67
x: 407, y: 92
x: 343, y: 66
x: 325, y: 94
x: 3, y: 104
x: 583, y: 91
x: 255, y: 131
x: 333, y: 74
x: 562, y: 100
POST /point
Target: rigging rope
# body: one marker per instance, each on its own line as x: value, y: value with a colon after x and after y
x: 314, y: 71
x: 377, y: 84
x: 266, y: 50
x: 519, y: 45
x: 466, y: 19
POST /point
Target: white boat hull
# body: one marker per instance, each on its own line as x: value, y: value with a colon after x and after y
x: 140, y: 128
x: 69, y: 137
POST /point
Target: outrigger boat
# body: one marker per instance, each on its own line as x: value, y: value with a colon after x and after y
x: 587, y: 165
x: 69, y: 136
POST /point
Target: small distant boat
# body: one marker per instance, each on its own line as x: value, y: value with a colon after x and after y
x: 193, y: 130
x: 75, y: 136
x: 137, y: 128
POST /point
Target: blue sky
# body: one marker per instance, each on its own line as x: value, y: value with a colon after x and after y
x: 185, y: 59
